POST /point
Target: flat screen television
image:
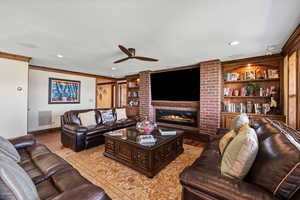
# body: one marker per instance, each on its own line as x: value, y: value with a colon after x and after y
x: 179, y: 85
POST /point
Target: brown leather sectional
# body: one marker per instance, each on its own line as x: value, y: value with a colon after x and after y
x: 53, y: 177
x: 78, y: 137
x: 275, y: 173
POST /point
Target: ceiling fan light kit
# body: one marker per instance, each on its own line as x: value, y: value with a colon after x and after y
x: 130, y: 52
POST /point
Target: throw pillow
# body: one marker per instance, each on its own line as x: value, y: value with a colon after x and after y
x: 107, y: 116
x: 87, y: 118
x: 8, y: 149
x: 121, y: 113
x: 240, y: 154
x: 225, y: 140
x: 14, y: 182
x: 239, y: 121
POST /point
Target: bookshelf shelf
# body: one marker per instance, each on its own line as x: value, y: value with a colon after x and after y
x: 132, y: 95
x: 252, y: 114
x: 246, y: 97
x: 254, y: 80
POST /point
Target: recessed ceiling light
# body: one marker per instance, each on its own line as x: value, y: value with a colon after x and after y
x: 59, y: 56
x: 112, y: 75
x: 233, y: 43
x: 113, y: 68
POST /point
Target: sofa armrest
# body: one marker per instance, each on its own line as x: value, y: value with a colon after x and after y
x: 208, y: 183
x: 23, y: 141
x: 84, y: 192
x: 220, y: 133
x: 75, y: 128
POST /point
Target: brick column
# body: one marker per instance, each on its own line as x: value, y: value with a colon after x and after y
x: 210, y: 96
x: 146, y: 109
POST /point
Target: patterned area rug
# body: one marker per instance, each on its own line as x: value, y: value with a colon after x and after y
x: 123, y: 183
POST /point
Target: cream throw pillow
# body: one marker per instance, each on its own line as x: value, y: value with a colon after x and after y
x: 239, y: 121
x: 225, y: 140
x: 121, y: 113
x: 87, y: 118
x: 240, y: 154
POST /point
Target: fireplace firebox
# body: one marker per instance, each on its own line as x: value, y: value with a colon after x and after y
x: 178, y: 117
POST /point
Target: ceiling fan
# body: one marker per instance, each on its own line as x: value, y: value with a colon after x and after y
x: 130, y: 52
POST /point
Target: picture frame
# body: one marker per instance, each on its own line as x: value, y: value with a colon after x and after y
x: 63, y: 91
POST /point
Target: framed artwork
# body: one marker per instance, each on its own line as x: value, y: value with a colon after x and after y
x: 63, y: 91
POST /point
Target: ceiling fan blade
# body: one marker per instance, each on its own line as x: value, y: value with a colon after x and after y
x: 145, y: 58
x: 126, y: 51
x: 122, y: 60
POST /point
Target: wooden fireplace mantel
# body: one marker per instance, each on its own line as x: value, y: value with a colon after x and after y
x: 189, y: 104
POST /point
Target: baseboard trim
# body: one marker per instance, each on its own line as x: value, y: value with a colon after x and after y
x: 44, y: 131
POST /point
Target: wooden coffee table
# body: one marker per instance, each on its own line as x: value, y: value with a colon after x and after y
x: 148, y: 160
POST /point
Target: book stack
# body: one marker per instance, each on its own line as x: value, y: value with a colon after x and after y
x: 115, y: 133
x: 231, y: 77
x: 167, y: 132
x: 146, y: 139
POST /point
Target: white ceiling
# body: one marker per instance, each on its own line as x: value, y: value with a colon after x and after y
x: 177, y: 32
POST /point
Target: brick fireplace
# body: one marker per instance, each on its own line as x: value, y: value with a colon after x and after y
x: 208, y: 108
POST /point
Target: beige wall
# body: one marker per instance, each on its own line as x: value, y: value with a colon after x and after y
x: 13, y: 106
x: 38, y: 97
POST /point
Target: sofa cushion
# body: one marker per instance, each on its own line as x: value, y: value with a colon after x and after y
x: 39, y: 163
x: 240, y: 154
x: 87, y: 118
x: 15, y: 184
x: 107, y: 116
x: 239, y: 121
x: 225, y: 140
x: 47, y: 190
x: 277, y: 165
x: 121, y: 113
x: 266, y: 130
x: 8, y: 149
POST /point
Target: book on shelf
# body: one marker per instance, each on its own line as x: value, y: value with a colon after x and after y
x: 256, y: 108
x: 167, y: 132
x: 262, y: 91
x: 252, y: 75
x: 273, y: 73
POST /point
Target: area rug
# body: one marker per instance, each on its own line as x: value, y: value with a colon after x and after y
x: 123, y: 183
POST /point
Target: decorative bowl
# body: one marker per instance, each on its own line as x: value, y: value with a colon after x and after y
x: 145, y: 126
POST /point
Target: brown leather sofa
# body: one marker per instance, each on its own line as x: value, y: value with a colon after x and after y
x: 53, y: 177
x: 279, y: 146
x: 78, y: 137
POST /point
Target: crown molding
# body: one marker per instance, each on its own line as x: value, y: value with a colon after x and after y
x: 292, y: 43
x: 49, y: 69
x: 14, y: 57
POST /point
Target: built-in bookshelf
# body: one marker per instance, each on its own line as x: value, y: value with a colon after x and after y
x: 253, y: 86
x: 133, y: 102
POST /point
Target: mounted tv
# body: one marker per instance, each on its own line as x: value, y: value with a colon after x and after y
x: 179, y: 85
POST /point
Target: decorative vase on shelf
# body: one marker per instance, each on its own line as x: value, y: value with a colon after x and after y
x: 145, y: 126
